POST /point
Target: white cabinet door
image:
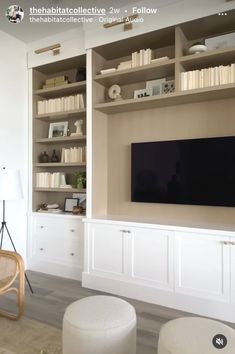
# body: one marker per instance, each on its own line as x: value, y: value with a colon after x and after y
x: 107, y: 250
x: 152, y: 257
x: 202, y: 266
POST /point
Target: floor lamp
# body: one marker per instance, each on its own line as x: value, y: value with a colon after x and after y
x: 10, y: 189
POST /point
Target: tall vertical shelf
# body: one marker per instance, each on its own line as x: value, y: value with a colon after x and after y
x: 40, y: 127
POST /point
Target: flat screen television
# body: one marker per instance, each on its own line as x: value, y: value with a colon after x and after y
x: 194, y: 171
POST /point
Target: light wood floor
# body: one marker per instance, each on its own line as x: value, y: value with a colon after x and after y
x: 53, y: 294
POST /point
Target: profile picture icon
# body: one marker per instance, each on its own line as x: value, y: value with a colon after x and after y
x: 14, y: 14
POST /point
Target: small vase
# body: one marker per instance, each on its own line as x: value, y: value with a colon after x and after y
x: 54, y: 157
x: 43, y: 157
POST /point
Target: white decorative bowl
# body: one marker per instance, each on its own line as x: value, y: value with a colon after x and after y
x: 197, y: 48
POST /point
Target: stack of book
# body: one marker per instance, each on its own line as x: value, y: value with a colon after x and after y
x: 143, y: 57
x: 218, y: 75
x: 56, y: 81
x: 73, y: 154
x: 125, y: 65
x: 50, y: 180
x: 61, y: 104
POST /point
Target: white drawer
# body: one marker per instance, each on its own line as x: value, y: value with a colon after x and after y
x: 70, y: 250
x: 53, y: 228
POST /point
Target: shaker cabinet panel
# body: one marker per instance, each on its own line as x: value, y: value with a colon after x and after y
x: 107, y: 250
x: 152, y: 257
x: 202, y: 265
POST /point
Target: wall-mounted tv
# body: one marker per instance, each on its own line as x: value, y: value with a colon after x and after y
x: 194, y: 171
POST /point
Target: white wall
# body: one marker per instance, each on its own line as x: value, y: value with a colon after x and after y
x: 14, y: 132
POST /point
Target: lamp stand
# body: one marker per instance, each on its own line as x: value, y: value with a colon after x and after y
x: 4, y: 227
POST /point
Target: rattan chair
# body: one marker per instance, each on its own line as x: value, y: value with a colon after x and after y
x: 11, y: 268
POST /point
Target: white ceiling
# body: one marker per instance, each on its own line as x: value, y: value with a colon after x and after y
x: 29, y: 32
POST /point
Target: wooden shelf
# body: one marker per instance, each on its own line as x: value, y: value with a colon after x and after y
x: 190, y: 96
x: 62, y: 115
x: 138, y: 74
x: 76, y: 87
x: 60, y: 190
x: 211, y: 58
x: 66, y: 139
x: 60, y: 164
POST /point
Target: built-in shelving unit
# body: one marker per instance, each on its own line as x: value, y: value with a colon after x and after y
x: 181, y: 114
x: 46, y: 173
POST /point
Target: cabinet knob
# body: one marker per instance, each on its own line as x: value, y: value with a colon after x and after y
x: 41, y: 249
x: 225, y: 243
x: 232, y: 243
x: 72, y: 230
x: 41, y: 227
x: 72, y: 254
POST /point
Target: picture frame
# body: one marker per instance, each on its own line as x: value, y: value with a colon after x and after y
x: 58, y: 129
x: 168, y: 87
x: 69, y: 203
x: 142, y: 93
x: 155, y: 86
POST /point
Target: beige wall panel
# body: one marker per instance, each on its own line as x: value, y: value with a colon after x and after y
x: 206, y: 119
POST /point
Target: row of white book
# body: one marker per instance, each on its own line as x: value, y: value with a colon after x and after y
x: 61, y: 104
x: 143, y: 57
x: 218, y: 75
x: 50, y: 180
x: 73, y: 154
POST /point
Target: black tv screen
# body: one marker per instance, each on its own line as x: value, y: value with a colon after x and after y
x: 195, y: 171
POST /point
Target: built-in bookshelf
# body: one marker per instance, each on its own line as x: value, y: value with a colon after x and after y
x: 116, y: 123
x: 59, y: 131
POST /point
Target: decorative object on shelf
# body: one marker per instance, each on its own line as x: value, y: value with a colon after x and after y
x: 56, y: 81
x: 70, y: 203
x: 43, y: 157
x: 78, y: 124
x: 107, y: 71
x: 82, y: 199
x: 168, y: 86
x: 124, y: 65
x: 142, y: 93
x: 54, y: 157
x: 80, y: 180
x: 114, y: 92
x: 50, y: 208
x: 58, y: 129
x: 78, y: 210
x: 81, y: 74
x: 197, y: 48
x: 155, y: 86
x: 220, y: 42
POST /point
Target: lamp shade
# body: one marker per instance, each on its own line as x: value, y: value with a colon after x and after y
x: 10, y: 184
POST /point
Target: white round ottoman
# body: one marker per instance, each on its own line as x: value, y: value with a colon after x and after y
x: 99, y: 325
x: 195, y: 335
